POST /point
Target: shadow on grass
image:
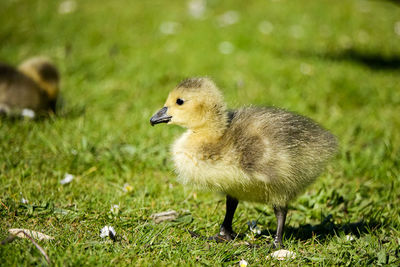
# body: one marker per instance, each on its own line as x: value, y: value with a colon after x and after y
x: 321, y: 232
x: 396, y: 2
x: 62, y: 111
x: 326, y: 229
x: 372, y: 60
x: 70, y: 113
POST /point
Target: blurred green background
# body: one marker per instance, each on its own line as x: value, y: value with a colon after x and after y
x: 337, y: 62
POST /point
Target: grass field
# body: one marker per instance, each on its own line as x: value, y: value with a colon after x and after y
x: 337, y: 62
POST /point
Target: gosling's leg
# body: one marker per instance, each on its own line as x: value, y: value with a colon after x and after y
x: 280, y: 213
x: 226, y: 232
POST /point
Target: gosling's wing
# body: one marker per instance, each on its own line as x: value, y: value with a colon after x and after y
x: 301, y: 148
x: 249, y: 140
x: 278, y: 143
x: 282, y: 128
x: 300, y: 134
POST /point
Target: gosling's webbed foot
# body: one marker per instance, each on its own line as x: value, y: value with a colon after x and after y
x: 224, y: 235
x: 220, y: 237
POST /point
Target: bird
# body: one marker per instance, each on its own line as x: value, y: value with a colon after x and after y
x: 256, y: 154
x: 34, y: 86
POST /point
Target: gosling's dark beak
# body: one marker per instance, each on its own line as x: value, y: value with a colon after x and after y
x: 160, y: 117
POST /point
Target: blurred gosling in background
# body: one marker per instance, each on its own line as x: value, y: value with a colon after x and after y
x: 256, y: 154
x: 30, y: 90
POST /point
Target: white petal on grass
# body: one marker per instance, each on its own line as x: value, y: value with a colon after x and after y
x: 228, y: 18
x: 164, y: 216
x: 108, y: 231
x: 66, y: 7
x: 169, y: 27
x: 253, y: 227
x: 282, y: 254
x: 114, y: 208
x: 197, y: 8
x: 397, y: 28
x: 265, y: 27
x: 243, y: 263
x: 127, y: 188
x: 28, y: 113
x: 226, y: 48
x: 349, y: 238
x: 33, y: 234
x: 23, y: 200
x: 67, y: 179
x: 256, y: 230
x: 306, y: 69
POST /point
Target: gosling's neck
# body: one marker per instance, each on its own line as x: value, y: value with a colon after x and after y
x: 212, y: 129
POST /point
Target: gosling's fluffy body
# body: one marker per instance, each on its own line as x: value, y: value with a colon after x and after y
x: 266, y: 155
x: 34, y: 85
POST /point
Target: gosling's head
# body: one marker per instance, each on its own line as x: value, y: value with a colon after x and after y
x: 195, y: 103
x: 44, y: 73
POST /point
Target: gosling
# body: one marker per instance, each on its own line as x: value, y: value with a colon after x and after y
x: 34, y: 86
x: 256, y: 154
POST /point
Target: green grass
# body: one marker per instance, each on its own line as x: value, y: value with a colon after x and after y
x: 335, y: 61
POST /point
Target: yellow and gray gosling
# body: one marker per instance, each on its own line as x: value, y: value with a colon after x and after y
x: 33, y: 86
x: 258, y: 154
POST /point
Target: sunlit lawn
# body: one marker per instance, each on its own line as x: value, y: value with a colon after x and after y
x: 337, y: 62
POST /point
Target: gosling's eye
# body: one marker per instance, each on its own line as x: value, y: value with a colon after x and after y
x: 179, y: 101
